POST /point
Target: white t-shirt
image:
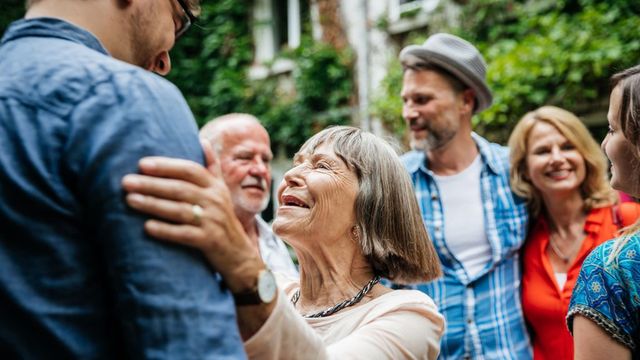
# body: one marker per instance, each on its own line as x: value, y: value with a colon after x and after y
x: 464, y: 225
x: 561, y: 279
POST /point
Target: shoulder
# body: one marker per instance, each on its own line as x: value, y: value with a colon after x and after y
x: 629, y: 212
x: 607, y: 290
x: 495, y: 155
x: 608, y: 287
x: 63, y: 75
x: 615, y: 255
x: 409, y: 318
x: 415, y: 302
x: 412, y: 160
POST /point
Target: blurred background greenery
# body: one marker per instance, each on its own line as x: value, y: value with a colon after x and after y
x: 559, y: 52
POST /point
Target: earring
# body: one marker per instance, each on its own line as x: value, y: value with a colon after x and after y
x: 355, y: 231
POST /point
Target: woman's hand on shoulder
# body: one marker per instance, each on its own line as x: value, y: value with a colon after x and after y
x: 191, y: 205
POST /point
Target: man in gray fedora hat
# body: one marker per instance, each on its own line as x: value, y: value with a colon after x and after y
x: 462, y: 184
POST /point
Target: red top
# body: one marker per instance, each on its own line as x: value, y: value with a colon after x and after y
x: 545, y: 305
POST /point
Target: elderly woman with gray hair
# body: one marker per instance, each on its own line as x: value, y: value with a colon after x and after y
x: 348, y: 210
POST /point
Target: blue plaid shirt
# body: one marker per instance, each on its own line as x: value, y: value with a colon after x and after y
x: 483, y: 312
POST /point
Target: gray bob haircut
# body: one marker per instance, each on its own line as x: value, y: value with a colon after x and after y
x: 393, y: 236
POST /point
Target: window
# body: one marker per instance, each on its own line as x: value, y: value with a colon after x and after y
x: 277, y: 24
x: 399, y: 7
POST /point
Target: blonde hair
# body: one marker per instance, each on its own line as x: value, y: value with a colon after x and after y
x: 595, y: 188
x: 393, y: 236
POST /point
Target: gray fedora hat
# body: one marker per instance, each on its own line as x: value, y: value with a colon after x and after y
x: 458, y: 57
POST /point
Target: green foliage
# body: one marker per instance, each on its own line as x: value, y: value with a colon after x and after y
x: 546, y: 52
x: 386, y: 103
x: 323, y: 90
x: 211, y: 65
x: 210, y: 62
x: 10, y: 10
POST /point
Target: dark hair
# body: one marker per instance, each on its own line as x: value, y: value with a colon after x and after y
x: 629, y: 111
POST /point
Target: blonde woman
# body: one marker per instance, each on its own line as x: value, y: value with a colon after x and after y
x: 559, y: 168
x: 605, y: 308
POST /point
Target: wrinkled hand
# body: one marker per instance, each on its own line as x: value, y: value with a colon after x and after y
x: 169, y: 188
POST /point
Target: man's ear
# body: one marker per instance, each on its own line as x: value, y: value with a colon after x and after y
x: 468, y: 100
x: 123, y: 4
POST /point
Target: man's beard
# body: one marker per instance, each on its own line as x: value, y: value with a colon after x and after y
x: 247, y: 205
x: 434, y: 140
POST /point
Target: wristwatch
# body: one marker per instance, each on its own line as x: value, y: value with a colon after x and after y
x: 263, y: 293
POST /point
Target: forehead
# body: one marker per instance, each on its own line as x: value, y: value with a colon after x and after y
x: 543, y: 132
x: 320, y: 148
x: 325, y: 148
x: 413, y: 80
x: 253, y: 139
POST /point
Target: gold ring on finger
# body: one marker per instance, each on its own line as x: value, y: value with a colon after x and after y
x: 197, y: 211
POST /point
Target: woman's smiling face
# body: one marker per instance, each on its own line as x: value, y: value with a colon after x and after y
x: 554, y: 165
x: 624, y: 162
x: 317, y: 197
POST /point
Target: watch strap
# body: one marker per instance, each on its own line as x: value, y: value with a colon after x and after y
x: 247, y: 298
x: 262, y: 293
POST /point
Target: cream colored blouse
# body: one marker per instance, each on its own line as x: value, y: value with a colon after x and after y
x: 401, y: 324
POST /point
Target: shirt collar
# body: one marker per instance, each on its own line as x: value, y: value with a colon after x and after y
x: 264, y: 230
x: 592, y: 223
x: 414, y: 160
x: 595, y: 218
x: 51, y: 27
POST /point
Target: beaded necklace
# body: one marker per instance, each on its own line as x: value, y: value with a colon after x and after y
x: 337, y: 307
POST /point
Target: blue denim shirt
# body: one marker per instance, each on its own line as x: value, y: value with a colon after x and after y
x: 483, y: 313
x: 78, y: 276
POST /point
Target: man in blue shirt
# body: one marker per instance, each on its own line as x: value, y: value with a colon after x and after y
x: 78, y: 276
x: 462, y: 185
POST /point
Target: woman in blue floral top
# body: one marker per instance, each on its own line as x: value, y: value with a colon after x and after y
x: 604, y: 314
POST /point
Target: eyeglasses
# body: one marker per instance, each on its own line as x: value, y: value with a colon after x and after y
x: 186, y: 20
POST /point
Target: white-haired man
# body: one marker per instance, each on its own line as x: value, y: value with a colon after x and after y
x: 462, y: 184
x: 244, y: 152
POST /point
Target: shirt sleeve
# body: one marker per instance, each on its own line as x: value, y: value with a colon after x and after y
x: 608, y: 291
x: 168, y: 302
x: 411, y: 330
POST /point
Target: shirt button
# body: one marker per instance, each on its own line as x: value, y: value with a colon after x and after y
x: 434, y: 197
x: 469, y: 321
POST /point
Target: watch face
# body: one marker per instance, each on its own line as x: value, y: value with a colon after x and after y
x: 266, y: 286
